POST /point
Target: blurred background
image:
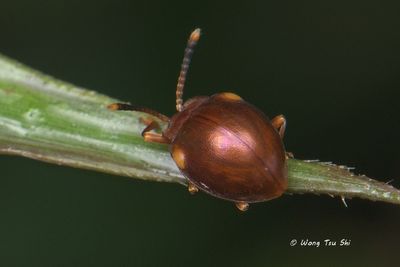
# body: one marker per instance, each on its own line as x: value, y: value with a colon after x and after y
x: 331, y: 67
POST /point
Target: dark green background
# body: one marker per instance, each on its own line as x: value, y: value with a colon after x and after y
x: 332, y: 67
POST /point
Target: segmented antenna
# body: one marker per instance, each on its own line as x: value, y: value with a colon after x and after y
x: 193, y: 39
x: 122, y: 106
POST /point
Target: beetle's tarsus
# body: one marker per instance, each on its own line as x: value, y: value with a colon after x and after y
x: 242, y: 206
x: 279, y: 123
x: 155, y: 138
x: 289, y: 155
x: 151, y: 126
x: 152, y: 137
x: 192, y: 188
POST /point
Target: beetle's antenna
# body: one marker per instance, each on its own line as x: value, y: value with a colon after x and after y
x: 122, y: 106
x: 193, y: 39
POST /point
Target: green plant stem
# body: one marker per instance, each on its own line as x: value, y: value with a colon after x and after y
x: 50, y: 120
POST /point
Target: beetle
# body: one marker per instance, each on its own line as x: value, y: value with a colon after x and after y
x: 223, y: 145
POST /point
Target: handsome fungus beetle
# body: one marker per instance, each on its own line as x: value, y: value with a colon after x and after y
x: 222, y: 144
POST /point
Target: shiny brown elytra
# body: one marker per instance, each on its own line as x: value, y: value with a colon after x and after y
x: 222, y: 144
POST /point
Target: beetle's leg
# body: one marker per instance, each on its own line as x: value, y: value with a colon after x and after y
x: 289, y: 155
x: 155, y: 138
x: 242, y: 206
x: 151, y: 124
x: 148, y: 136
x: 192, y: 188
x: 279, y: 123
